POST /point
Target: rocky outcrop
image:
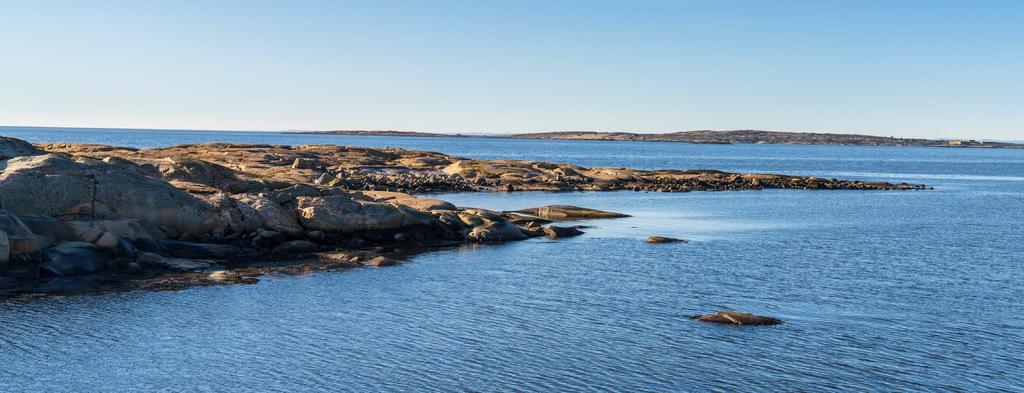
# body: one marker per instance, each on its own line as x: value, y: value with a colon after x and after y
x: 10, y: 148
x: 663, y: 240
x: 82, y: 188
x: 260, y: 167
x: 737, y: 318
x: 565, y: 212
x: 141, y: 214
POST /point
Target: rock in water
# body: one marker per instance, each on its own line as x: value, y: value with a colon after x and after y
x: 737, y: 318
x: 565, y: 212
x: 553, y: 232
x: 496, y: 231
x: 663, y: 239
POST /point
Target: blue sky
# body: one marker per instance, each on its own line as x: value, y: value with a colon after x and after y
x: 902, y: 68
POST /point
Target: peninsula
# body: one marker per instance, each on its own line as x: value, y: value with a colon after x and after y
x: 714, y: 137
x: 211, y: 214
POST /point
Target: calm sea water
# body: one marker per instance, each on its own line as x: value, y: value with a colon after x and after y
x: 887, y: 291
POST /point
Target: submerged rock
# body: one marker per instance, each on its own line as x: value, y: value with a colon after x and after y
x: 566, y: 212
x: 662, y: 240
x: 737, y: 318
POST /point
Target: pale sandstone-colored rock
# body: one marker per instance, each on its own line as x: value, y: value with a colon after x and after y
x: 737, y: 318
x: 663, y: 240
x: 566, y: 212
x: 336, y: 213
x: 415, y: 202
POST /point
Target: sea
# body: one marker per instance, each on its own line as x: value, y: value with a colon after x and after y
x: 880, y: 290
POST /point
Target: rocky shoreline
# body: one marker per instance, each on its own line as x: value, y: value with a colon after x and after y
x: 80, y: 218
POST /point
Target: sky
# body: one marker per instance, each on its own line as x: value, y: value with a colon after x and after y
x: 938, y: 69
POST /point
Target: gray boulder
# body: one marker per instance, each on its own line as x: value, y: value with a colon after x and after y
x: 297, y: 247
x: 75, y: 258
x: 272, y: 216
x: 81, y: 188
x: 175, y: 264
x: 496, y: 231
x: 180, y: 249
x: 559, y: 232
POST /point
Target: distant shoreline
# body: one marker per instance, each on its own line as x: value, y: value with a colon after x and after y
x: 707, y: 137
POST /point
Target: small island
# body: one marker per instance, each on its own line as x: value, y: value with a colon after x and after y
x: 219, y: 213
x: 758, y: 137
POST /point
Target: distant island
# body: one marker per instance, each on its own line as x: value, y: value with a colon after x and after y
x: 712, y: 137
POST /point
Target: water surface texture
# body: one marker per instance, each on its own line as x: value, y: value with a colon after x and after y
x: 880, y: 290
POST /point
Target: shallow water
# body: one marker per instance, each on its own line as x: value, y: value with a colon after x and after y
x: 892, y: 291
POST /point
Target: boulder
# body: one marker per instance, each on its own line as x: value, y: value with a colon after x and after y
x: 415, y: 202
x: 496, y: 231
x: 336, y: 213
x: 268, y: 239
x: 553, y: 232
x: 662, y: 240
x: 5, y: 250
x: 190, y: 250
x: 95, y: 231
x: 565, y: 212
x: 297, y: 247
x: 193, y: 170
x: 7, y: 283
x: 380, y: 262
x: 274, y: 217
x: 175, y: 264
x: 21, y: 248
x: 48, y: 230
x: 82, y: 188
x: 305, y: 163
x: 109, y: 240
x: 11, y: 147
x: 75, y: 258
x: 736, y: 318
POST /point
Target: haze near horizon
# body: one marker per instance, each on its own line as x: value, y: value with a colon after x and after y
x: 906, y: 69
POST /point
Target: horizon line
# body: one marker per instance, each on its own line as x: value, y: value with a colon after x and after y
x: 501, y: 133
